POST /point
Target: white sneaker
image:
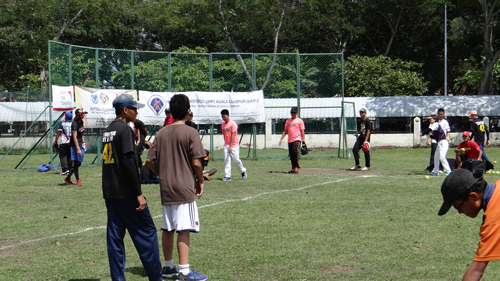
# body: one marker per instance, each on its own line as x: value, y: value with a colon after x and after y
x: 355, y: 168
x: 365, y: 169
x: 440, y: 171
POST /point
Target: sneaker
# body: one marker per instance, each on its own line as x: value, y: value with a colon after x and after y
x: 169, y: 273
x: 67, y: 181
x: 365, y: 169
x: 448, y: 173
x: 440, y: 171
x: 291, y: 171
x: 434, y: 174
x: 64, y: 173
x: 226, y: 179
x: 244, y: 175
x: 79, y: 182
x: 355, y: 168
x: 296, y: 170
x: 192, y: 276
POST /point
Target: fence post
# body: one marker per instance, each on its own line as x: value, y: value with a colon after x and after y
x: 212, y: 142
x: 132, y: 70
x: 254, y: 73
x: 298, y: 83
x: 211, y: 71
x: 170, y: 73
x: 97, y: 68
x: 254, y: 133
x: 70, y: 76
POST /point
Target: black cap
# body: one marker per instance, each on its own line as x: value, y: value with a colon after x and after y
x: 294, y: 110
x: 458, y: 182
x: 126, y: 100
x: 79, y: 111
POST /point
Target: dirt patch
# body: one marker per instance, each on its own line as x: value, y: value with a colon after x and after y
x: 337, y: 269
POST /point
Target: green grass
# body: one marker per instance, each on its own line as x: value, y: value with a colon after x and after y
x: 324, y: 224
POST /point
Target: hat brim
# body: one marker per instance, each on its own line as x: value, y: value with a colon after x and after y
x: 445, y: 208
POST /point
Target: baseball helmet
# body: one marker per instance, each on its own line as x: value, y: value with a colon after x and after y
x: 366, y: 146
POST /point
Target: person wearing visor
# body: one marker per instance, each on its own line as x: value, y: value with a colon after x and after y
x: 469, y: 195
x: 77, y: 146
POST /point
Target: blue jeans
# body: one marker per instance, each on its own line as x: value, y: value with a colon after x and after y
x: 484, y: 157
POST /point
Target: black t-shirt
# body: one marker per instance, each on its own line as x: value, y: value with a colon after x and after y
x: 120, y: 170
x: 363, y: 127
x: 78, y: 127
x: 191, y: 124
x: 478, y: 129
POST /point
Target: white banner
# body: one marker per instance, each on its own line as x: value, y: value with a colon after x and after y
x: 99, y: 104
x: 62, y: 98
x: 244, y: 107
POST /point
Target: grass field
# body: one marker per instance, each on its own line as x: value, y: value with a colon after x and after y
x: 325, y: 223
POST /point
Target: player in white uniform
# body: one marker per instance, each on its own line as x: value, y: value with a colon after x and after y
x: 443, y: 145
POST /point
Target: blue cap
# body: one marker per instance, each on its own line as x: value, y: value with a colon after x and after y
x: 126, y: 100
x: 68, y: 115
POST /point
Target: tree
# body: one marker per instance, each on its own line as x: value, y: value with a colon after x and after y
x: 382, y: 76
x: 490, y: 13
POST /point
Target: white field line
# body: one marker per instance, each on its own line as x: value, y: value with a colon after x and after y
x: 204, y: 206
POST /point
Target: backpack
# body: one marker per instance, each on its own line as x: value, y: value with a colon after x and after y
x: 46, y: 167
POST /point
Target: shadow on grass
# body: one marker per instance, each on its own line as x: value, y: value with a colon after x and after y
x: 84, y: 280
x: 137, y: 270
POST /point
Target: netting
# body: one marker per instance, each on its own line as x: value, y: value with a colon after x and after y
x: 286, y: 79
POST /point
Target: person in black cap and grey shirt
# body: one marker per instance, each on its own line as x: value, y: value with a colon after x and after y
x: 468, y: 195
x: 365, y: 131
x: 121, y: 188
x: 77, y: 146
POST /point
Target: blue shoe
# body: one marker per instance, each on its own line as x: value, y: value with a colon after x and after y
x: 244, y: 175
x: 448, y: 173
x: 434, y: 174
x: 169, y: 273
x: 193, y: 276
x: 226, y: 179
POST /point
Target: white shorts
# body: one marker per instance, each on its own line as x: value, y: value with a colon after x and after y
x: 181, y: 218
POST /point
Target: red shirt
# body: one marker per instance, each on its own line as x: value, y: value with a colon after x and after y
x: 471, y: 149
x: 168, y: 121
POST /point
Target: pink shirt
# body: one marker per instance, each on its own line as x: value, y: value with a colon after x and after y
x: 293, y: 128
x: 227, y: 129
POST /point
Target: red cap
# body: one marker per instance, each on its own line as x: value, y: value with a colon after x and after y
x: 466, y: 133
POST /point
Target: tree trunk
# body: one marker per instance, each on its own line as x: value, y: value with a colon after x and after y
x: 491, y: 57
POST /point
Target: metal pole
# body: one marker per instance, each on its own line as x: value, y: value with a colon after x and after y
x: 26, y: 118
x: 445, y: 51
x: 132, y: 70
x: 97, y: 68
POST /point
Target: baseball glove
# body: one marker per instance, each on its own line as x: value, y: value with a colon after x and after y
x: 55, y: 147
x: 366, y: 146
x: 304, y: 149
x: 147, y: 144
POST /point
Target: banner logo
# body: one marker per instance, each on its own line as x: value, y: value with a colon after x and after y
x: 104, y: 99
x: 64, y: 93
x: 94, y: 98
x: 156, y: 103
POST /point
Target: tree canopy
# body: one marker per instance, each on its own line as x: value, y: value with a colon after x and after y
x: 402, y: 39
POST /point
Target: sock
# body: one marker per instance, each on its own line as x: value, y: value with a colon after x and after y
x: 170, y: 263
x: 184, y: 269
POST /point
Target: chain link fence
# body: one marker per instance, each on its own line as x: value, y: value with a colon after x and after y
x: 288, y: 77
